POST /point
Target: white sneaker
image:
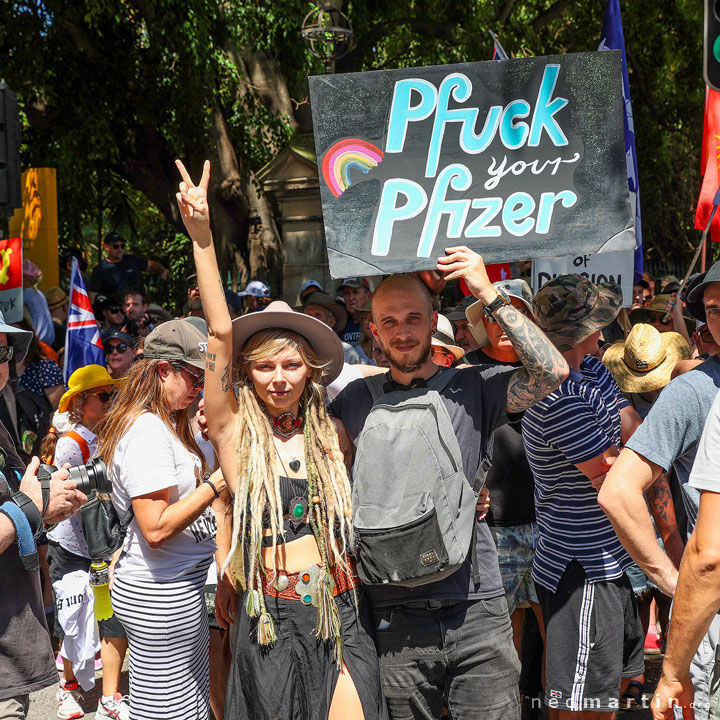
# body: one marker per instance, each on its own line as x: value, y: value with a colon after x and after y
x: 118, y: 708
x: 68, y: 706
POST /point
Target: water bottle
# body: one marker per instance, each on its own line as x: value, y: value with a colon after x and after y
x: 100, y: 582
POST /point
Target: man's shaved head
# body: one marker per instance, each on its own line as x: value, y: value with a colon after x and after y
x: 403, y: 283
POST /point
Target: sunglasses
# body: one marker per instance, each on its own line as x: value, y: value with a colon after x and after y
x: 104, y: 396
x: 114, y: 310
x: 6, y: 353
x: 117, y: 246
x: 440, y: 352
x: 120, y: 348
x: 198, y: 377
x: 706, y: 336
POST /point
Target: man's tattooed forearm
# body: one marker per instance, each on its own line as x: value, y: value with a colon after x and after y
x: 225, y: 379
x: 544, y: 367
x: 659, y: 497
x: 210, y: 361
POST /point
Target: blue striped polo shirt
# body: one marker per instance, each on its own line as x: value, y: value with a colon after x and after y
x: 577, y: 422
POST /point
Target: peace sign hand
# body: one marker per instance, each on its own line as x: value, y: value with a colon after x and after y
x: 192, y: 199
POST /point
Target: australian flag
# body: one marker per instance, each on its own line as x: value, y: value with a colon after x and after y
x: 613, y: 39
x: 83, y: 345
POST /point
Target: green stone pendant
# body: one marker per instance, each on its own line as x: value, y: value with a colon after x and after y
x: 298, y: 511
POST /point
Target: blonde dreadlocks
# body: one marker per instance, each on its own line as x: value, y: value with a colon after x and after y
x: 257, y: 498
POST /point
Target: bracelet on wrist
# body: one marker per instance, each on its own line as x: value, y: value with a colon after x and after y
x: 207, y: 480
x: 24, y: 535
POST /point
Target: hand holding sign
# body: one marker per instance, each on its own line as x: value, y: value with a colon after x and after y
x: 462, y: 262
x: 192, y: 199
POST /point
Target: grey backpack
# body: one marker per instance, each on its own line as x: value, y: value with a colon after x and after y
x: 413, y: 508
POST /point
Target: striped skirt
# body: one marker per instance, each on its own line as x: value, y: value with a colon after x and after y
x: 167, y: 629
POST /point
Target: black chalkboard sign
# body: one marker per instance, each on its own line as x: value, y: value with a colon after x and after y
x: 518, y: 159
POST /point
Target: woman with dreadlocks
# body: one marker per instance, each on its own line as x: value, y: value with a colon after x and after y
x: 304, y: 648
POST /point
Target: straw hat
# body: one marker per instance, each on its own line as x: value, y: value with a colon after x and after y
x: 86, y: 378
x: 445, y: 338
x: 279, y: 315
x: 657, y: 307
x: 644, y: 361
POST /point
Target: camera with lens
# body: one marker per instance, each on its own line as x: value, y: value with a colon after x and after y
x: 90, y: 478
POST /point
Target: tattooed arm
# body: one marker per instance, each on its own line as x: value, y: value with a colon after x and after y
x: 220, y: 403
x: 622, y: 499
x: 662, y: 509
x: 544, y: 367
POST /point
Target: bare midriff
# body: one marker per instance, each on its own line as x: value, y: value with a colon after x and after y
x: 292, y: 556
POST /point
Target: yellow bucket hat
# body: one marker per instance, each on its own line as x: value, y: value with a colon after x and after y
x: 86, y: 378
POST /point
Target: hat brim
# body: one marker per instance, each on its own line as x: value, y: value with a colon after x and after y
x: 637, y: 381
x: 69, y: 394
x: 18, y: 339
x: 606, y: 309
x: 324, y: 341
x: 456, y: 350
x: 642, y: 315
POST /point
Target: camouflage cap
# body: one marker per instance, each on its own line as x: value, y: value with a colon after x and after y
x: 570, y: 308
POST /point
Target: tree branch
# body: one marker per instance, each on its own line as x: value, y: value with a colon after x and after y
x: 545, y: 18
x: 505, y: 14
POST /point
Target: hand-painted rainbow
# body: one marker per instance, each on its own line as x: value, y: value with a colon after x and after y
x: 346, y: 154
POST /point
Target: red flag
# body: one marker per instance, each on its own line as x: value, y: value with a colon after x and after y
x: 495, y: 271
x: 710, y: 161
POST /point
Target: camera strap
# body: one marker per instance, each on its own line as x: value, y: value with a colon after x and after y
x: 33, y: 515
x: 23, y: 533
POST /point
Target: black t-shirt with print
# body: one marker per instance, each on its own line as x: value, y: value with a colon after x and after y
x: 476, y: 403
x: 510, y: 479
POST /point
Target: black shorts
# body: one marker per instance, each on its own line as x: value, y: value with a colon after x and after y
x: 61, y: 563
x: 594, y: 639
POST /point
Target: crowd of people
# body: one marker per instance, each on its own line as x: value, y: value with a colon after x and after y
x: 387, y: 500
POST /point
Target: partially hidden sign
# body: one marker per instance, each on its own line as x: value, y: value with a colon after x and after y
x: 616, y: 266
x: 11, y: 280
x: 518, y: 159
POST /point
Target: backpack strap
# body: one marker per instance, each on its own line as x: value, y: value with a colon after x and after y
x: 375, y: 384
x: 478, y: 484
x: 438, y: 382
x: 82, y: 443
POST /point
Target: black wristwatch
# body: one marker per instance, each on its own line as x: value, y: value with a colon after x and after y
x: 498, y: 302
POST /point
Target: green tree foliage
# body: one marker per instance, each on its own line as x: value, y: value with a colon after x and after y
x: 114, y: 90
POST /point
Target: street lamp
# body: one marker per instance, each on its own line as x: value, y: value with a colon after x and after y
x: 328, y: 33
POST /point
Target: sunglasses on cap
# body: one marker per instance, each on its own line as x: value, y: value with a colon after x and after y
x: 6, y: 353
x: 198, y: 377
x: 120, y: 347
x: 104, y: 396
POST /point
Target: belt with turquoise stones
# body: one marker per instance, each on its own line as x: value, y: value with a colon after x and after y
x: 303, y: 585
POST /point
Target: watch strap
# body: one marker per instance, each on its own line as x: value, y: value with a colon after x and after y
x: 495, y: 305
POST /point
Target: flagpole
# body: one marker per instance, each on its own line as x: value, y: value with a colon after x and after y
x: 700, y: 248
x: 703, y: 257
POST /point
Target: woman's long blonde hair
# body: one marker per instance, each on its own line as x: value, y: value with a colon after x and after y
x: 143, y: 391
x: 257, y: 497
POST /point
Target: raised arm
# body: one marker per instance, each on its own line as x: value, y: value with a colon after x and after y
x: 220, y: 402
x: 544, y: 368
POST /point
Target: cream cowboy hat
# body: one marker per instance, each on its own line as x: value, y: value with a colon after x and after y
x: 644, y: 361
x: 279, y: 315
x: 444, y: 337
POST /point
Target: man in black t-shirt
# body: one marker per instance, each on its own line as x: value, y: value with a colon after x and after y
x: 449, y: 642
x: 120, y: 271
x: 510, y: 479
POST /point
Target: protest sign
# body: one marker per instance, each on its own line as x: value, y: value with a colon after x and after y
x: 616, y: 266
x: 517, y: 159
x: 11, y: 280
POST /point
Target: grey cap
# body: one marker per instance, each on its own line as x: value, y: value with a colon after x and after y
x: 177, y: 340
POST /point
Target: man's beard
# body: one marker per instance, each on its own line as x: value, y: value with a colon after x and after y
x: 407, y: 367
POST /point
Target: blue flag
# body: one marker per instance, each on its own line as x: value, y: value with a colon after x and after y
x: 613, y: 39
x: 83, y: 345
